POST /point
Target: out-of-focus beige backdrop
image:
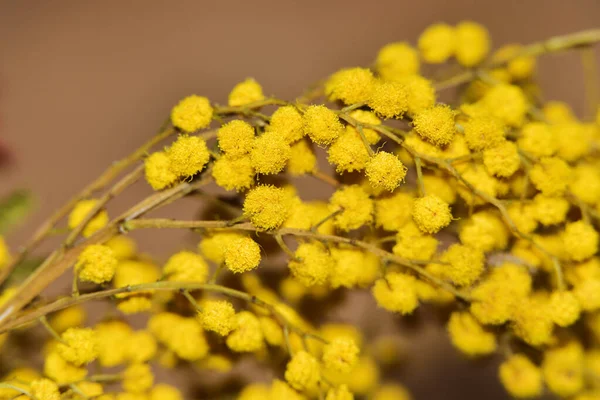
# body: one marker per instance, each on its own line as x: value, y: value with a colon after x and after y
x: 82, y: 83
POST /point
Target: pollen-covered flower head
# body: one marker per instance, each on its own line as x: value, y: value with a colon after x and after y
x: 80, y: 213
x: 322, y: 125
x: 246, y: 92
x: 437, y: 43
x: 431, y: 213
x: 192, y: 113
x: 356, y: 208
x: 235, y: 138
x: 436, y: 125
x: 385, y: 171
x: 396, y: 60
x: 97, y: 263
x: 267, y: 206
x: 350, y: 85
x: 187, y: 155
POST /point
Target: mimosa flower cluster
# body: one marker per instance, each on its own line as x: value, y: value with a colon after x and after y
x: 487, y: 206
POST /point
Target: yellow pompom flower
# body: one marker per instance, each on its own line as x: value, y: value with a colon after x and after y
x: 353, y: 267
x: 96, y: 263
x: 573, y: 140
x: 271, y: 331
x: 356, y: 206
x: 340, y: 354
x: 312, y: 264
x: 483, y: 132
x: 502, y: 160
x: 281, y: 390
x: 183, y: 336
x: 303, y: 371
x: 45, y: 389
x: 563, y: 369
x: 396, y: 292
x: 413, y: 244
x: 420, y: 93
x: 322, y: 125
x: 468, y: 336
x: 585, y: 184
x: 61, y: 371
x: 186, y: 266
x: 440, y: 186
x: 581, y: 240
x: 520, y: 377
x: 532, y: 321
x: 302, y: 159
x: 246, y: 92
x: 188, y: 155
x: 588, y: 294
x: 389, y: 99
x: 217, y: 316
x: 79, y: 346
x: 192, y: 113
x: 142, y: 347
x: 113, y: 342
x: 472, y: 43
x: 213, y: 246
x: 393, y: 211
x: 564, y: 307
x: 348, y: 153
x: 255, y: 391
x: 137, y: 378
x: 233, y: 173
x: 385, y: 171
x: 557, y: 112
x: 235, y: 138
x: 436, y: 125
x: 437, y: 43
x: 132, y: 272
x: 157, y: 167
x: 123, y: 247
x: 339, y: 393
x: 549, y: 210
x: 270, y: 152
x: 431, y: 213
x: 396, y: 60
x: 551, y: 176
x: 508, y: 103
x: 81, y: 211
x: 267, y: 207
x: 247, y: 336
x: 350, y: 85
x: 241, y: 255
x: 162, y: 391
x: 70, y: 317
x: 466, y: 264
x: 537, y: 140
x: 287, y: 122
x: 520, y: 67
x: 484, y: 231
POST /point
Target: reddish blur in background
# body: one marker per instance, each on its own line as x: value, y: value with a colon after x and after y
x: 83, y: 83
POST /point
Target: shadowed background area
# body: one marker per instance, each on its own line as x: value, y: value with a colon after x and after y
x: 83, y: 83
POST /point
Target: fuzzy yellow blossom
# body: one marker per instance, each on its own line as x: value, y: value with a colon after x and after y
x: 267, y: 207
x: 420, y: 93
x: 339, y: 393
x: 437, y: 43
x: 573, y: 141
x: 247, y: 336
x: 396, y: 60
x: 183, y: 336
x: 581, y: 240
x: 413, y: 244
x: 288, y: 122
x: 436, y: 125
x: 217, y: 316
x: 353, y: 267
x: 322, y: 125
x: 233, y: 173
x: 396, y: 292
x: 96, y: 263
x: 558, y: 112
x: 113, y: 341
x: 271, y: 330
x: 549, y: 210
x: 213, y: 246
x: 270, y: 152
x: 355, y: 205
x: 564, y: 307
x: 137, y: 378
x: 385, y: 171
x: 162, y: 391
x: 70, y: 317
x: 186, y: 266
x: 537, y: 140
x: 123, y: 247
x: 135, y: 304
x: 469, y: 336
x: 502, y: 160
x: 420, y: 146
x: 45, y: 389
x: 348, y: 153
x: 61, y: 371
x: 235, y: 138
x: 389, y: 99
x: 485, y: 231
x: 520, y: 377
x: 188, y: 155
x: 246, y: 92
x: 585, y: 184
x: 393, y: 211
x: 472, y: 43
x: 350, y: 85
x: 312, y: 264
x: 520, y: 67
x: 588, y: 294
x: 341, y: 354
x: 367, y: 117
x: 483, y: 132
x: 465, y: 264
x: 532, y: 321
x: 551, y: 176
x: 192, y: 113
x: 157, y: 167
x: 563, y: 369
x: 242, y: 255
x: 132, y: 272
x: 302, y: 159
x: 431, y: 213
x: 281, y: 390
x: 142, y: 346
x: 303, y: 372
x: 440, y: 187
x: 80, y: 213
x: 79, y: 346
x: 255, y: 391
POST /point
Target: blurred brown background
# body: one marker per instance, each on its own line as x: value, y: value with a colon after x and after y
x: 82, y: 83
